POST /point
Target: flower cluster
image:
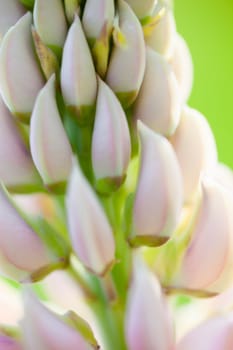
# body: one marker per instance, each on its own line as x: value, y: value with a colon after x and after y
x: 112, y: 201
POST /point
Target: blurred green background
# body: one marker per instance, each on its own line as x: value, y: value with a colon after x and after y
x: 207, y: 26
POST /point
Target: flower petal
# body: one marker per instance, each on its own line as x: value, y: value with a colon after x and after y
x: 20, y: 76
x: 50, y: 147
x: 90, y: 231
x: 158, y: 104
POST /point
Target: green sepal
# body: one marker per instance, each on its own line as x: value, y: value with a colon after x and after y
x: 71, y: 8
x: 83, y: 114
x: 47, y: 59
x: 127, y: 98
x: 57, y: 50
x: 109, y: 184
x: 44, y: 271
x: 80, y: 325
x: 10, y: 331
x: 55, y: 244
x: 150, y: 22
x: 28, y: 3
x: 27, y: 188
x: 100, y: 50
x: 147, y: 240
x: 56, y: 188
x: 23, y: 117
x: 128, y: 215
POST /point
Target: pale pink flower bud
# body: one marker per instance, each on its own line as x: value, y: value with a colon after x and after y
x: 182, y: 65
x: 159, y: 194
x: 142, y: 8
x: 148, y: 323
x: 78, y: 78
x: 207, y: 261
x: 16, y: 167
x: 128, y: 56
x: 96, y: 16
x: 158, y: 104
x: 111, y: 146
x: 21, y: 250
x: 195, y: 147
x: 163, y: 36
x: 96, y: 249
x: 8, y: 343
x: 20, y: 76
x: 11, y: 11
x: 213, y: 334
x: 42, y: 329
x: 50, y: 22
x: 50, y: 147
x: 97, y: 22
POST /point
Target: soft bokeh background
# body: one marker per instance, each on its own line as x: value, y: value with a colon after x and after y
x: 207, y: 26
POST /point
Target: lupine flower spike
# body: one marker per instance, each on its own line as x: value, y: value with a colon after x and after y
x: 107, y: 174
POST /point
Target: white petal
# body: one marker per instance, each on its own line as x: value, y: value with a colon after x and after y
x: 44, y: 330
x: 50, y: 147
x: 20, y: 76
x: 11, y: 11
x: 147, y: 318
x: 90, y: 231
x: 16, y: 166
x: 78, y: 78
x: 142, y: 8
x: 96, y: 14
x: 159, y: 194
x: 195, y: 147
x: 163, y: 37
x: 182, y: 65
x: 50, y: 21
x: 19, y: 244
x: 212, y: 232
x: 127, y: 62
x: 111, y: 139
x: 158, y: 104
x: 213, y: 334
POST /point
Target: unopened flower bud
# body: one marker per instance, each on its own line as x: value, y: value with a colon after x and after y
x: 11, y: 11
x: 97, y: 23
x: 111, y: 153
x: 8, y: 343
x: 194, y: 144
x: 21, y: 250
x: 213, y: 227
x: 16, y: 167
x: 142, y: 8
x: 20, y: 76
x: 148, y: 324
x: 163, y: 36
x: 91, y: 234
x: 213, y: 334
x: 78, y: 77
x: 127, y: 57
x: 158, y: 104
x: 181, y: 62
x: 43, y: 329
x: 50, y: 147
x: 96, y: 15
x: 52, y: 32
x: 159, y: 194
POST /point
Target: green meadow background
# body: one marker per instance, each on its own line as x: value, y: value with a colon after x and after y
x: 207, y: 26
